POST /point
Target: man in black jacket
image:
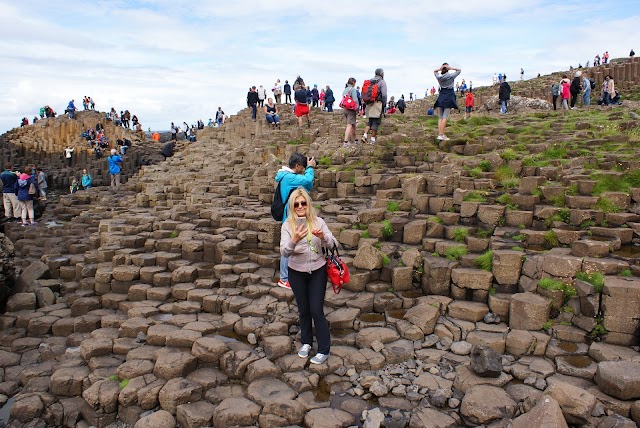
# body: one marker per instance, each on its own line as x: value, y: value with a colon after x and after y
x: 504, y: 95
x: 252, y: 101
x: 401, y: 105
x: 287, y: 92
x: 575, y: 89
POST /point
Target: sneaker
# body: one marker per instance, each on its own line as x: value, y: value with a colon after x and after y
x: 24, y: 225
x: 372, y: 141
x: 303, y: 352
x: 319, y: 358
x: 445, y: 138
x: 440, y: 137
x: 356, y: 142
x: 33, y: 223
x: 284, y: 284
x: 364, y: 138
x: 346, y: 144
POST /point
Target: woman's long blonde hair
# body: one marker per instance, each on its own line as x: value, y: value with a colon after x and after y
x: 311, y: 211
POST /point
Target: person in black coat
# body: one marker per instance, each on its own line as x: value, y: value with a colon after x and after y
x: 329, y: 99
x: 401, y: 105
x: 504, y: 95
x: 252, y: 101
x: 575, y: 89
x: 287, y: 92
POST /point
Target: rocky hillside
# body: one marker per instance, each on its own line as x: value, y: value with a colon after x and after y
x: 494, y: 281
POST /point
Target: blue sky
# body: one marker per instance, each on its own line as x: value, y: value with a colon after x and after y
x: 174, y: 60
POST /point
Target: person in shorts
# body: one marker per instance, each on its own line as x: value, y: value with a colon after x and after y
x: 446, y: 97
x: 350, y: 115
x: 375, y: 110
x: 302, y: 108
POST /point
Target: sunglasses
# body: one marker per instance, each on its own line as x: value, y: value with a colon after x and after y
x: 299, y: 204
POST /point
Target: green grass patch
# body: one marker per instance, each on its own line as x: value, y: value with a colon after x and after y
x: 324, y: 161
x: 596, y: 279
x: 387, y: 229
x: 506, y: 200
x: 456, y: 253
x: 385, y: 260
x: 485, y: 165
x: 509, y: 154
x: 554, y: 285
x: 606, y: 205
x: 475, y: 172
x: 626, y: 272
x: 551, y: 239
x: 474, y: 197
x: 460, y: 234
x: 393, y: 206
x: 485, y: 261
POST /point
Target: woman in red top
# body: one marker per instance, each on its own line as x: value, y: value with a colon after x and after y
x: 468, y: 104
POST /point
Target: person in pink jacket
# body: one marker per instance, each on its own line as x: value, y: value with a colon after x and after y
x: 565, y: 85
x: 302, y: 237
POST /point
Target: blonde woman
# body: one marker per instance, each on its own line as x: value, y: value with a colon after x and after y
x: 301, y: 240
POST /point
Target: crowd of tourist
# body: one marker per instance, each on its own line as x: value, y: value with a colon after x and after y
x: 22, y: 189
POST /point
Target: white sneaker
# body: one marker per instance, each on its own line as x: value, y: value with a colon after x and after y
x: 364, y: 138
x: 303, y: 352
x: 372, y: 141
x: 445, y: 138
x: 440, y: 137
x: 319, y: 358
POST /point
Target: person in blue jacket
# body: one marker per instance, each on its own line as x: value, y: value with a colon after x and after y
x: 71, y: 109
x: 115, y: 167
x: 25, y: 198
x: 299, y: 173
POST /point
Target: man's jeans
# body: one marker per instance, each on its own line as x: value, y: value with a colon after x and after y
x: 503, y: 107
x: 586, y: 98
x: 284, y: 268
x: 254, y: 109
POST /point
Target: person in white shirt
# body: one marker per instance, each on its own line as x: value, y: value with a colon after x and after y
x: 68, y: 153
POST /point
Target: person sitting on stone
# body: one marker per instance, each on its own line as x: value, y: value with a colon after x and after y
x: 271, y: 113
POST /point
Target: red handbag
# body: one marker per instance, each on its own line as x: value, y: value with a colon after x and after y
x: 349, y: 103
x: 336, y: 269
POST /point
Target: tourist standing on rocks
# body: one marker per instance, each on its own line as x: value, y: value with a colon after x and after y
x: 374, y: 105
x: 262, y: 94
x: 302, y: 108
x: 323, y: 94
x: 86, y: 180
x: 446, y: 97
x: 329, y: 99
x: 565, y: 84
x: 575, y: 88
x: 401, y: 105
x: 271, y: 113
x: 68, y: 154
x: 174, y: 132
x: 220, y: 116
x: 608, y: 90
x: 26, y: 189
x: 468, y: 104
x: 41, y: 178
x: 555, y: 93
x: 167, y: 150
x: 252, y: 101
x: 71, y: 109
x: 92, y: 103
x: 504, y: 95
x: 299, y: 174
x: 586, y: 94
x: 302, y: 237
x: 115, y: 167
x: 350, y: 116
x: 9, y: 199
x: 315, y: 96
x: 277, y: 92
x: 521, y: 73
x: 287, y: 92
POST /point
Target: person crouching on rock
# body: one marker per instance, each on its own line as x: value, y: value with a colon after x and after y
x: 167, y: 150
x: 302, y: 236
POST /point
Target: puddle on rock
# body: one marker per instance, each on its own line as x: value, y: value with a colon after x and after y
x: 628, y: 252
x: 341, y: 332
x: 578, y: 361
x: 411, y: 294
x: 322, y: 393
x: 396, y: 313
x: 373, y: 317
x: 568, y: 346
x: 229, y: 336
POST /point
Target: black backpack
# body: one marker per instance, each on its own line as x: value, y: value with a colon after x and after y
x: 592, y: 83
x: 277, y: 206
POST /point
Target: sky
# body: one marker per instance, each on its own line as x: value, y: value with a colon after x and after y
x: 178, y: 60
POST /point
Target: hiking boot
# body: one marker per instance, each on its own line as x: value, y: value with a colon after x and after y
x: 284, y: 284
x: 303, y: 352
x: 319, y: 358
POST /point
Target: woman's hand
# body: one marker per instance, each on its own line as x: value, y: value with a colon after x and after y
x: 299, y: 233
x: 318, y: 233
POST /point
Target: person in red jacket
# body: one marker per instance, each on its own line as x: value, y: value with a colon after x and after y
x: 468, y: 104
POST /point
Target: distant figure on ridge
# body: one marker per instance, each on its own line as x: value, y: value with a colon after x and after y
x: 71, y: 109
x: 586, y: 87
x: 521, y: 73
x: 374, y: 95
x: 287, y: 92
x: 555, y: 93
x: 262, y: 95
x: 220, y: 116
x: 575, y: 88
x: 504, y: 94
x: 174, y: 132
x: 301, y: 108
x: 446, y: 98
x: 401, y: 105
x: 329, y: 99
x: 277, y: 92
x: 631, y: 55
x: 564, y: 84
x: 252, y: 101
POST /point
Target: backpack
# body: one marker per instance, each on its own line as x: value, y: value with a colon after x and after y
x: 32, y: 189
x: 277, y: 206
x: 349, y: 103
x: 370, y: 91
x: 592, y: 83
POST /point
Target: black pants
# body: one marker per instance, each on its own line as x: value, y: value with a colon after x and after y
x: 329, y: 107
x: 574, y: 97
x: 287, y: 98
x: 315, y: 103
x: 260, y: 102
x: 309, y: 289
x: 555, y: 101
x: 254, y: 109
x: 68, y: 161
